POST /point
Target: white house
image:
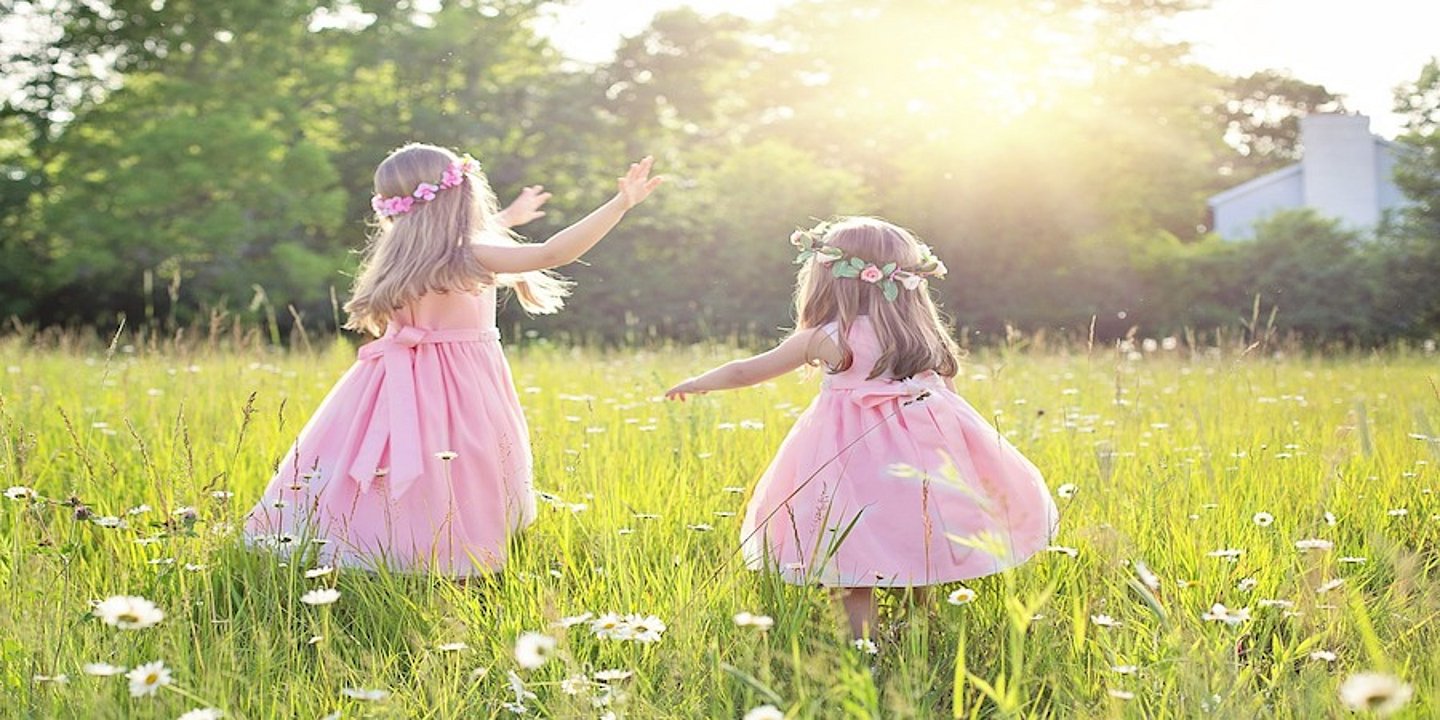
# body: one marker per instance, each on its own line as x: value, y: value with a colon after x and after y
x: 1345, y: 172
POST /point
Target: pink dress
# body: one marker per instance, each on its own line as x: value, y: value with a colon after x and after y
x: 418, y: 459
x: 885, y: 483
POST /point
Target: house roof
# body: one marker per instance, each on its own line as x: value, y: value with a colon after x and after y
x: 1254, y: 184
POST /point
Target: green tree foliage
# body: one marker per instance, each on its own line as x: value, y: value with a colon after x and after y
x: 1057, y: 155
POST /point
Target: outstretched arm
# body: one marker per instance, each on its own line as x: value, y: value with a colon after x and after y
x: 569, y: 244
x: 796, y: 350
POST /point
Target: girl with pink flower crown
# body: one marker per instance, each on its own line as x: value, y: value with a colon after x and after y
x: 419, y: 458
x: 889, y: 479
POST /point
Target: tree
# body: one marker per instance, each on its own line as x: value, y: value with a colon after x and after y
x: 1260, y: 118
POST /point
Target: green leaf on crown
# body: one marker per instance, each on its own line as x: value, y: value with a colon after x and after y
x: 891, y: 291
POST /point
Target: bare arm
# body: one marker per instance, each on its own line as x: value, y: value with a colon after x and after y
x: 796, y: 350
x: 569, y: 244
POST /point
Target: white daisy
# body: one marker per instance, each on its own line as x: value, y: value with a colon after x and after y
x: 1323, y: 655
x: 1124, y: 669
x: 866, y: 645
x: 609, y: 676
x: 1330, y: 518
x: 1220, y: 613
x: 148, y: 679
x: 1067, y: 490
x: 1121, y: 694
x: 960, y: 596
x: 761, y: 622
x: 1379, y: 693
x: 1248, y: 584
x: 1225, y: 553
x: 203, y: 714
x: 366, y: 694
x: 574, y: 685
x: 1063, y: 550
x: 1330, y: 585
x: 1149, y: 578
x: 320, y: 596
x: 61, y: 679
x: 128, y: 612
x: 647, y: 629
x: 452, y: 647
x: 1398, y: 512
x: 1313, y: 544
x: 572, y: 620
x: 765, y: 712
x: 1263, y: 519
x: 321, y: 571
x: 532, y: 649
x: 1351, y: 560
x: 102, y: 669
x: 610, y: 626
x: 19, y: 492
x: 1105, y: 621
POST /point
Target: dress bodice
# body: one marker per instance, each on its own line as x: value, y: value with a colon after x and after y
x: 450, y: 311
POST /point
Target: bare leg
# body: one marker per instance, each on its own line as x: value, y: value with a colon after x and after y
x: 860, y: 607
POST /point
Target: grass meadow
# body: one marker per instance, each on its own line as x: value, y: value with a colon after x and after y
x: 1190, y: 476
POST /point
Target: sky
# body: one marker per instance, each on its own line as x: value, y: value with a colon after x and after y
x: 1361, y: 50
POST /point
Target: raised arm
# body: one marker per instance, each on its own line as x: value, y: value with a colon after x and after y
x: 798, y: 349
x: 569, y: 244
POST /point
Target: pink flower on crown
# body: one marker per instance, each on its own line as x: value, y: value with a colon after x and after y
x: 377, y: 203
x: 426, y: 191
x: 871, y: 274
x: 453, y: 176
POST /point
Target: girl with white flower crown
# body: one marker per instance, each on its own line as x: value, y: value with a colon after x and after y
x: 419, y: 458
x: 889, y: 479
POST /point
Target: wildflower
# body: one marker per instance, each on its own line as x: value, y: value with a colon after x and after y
x: 532, y: 649
x: 148, y: 679
x: 1263, y: 519
x: 610, y: 626
x: 765, y: 712
x: 321, y: 571
x: 701, y: 527
x: 61, y: 679
x: 1149, y: 578
x: 1063, y: 550
x: 1121, y: 694
x: 1225, y: 553
x: 572, y: 621
x: 1330, y: 518
x: 1330, y: 585
x: 866, y: 645
x: 1105, y: 621
x: 1350, y: 560
x: 102, y: 669
x: 1220, y: 613
x: 609, y: 676
x: 761, y: 622
x: 646, y: 629
x: 1067, y: 490
x: 1124, y: 669
x: 1398, y: 512
x: 1314, y: 544
x: 1323, y: 655
x: 320, y: 596
x: 960, y: 596
x: 452, y: 646
x: 19, y: 492
x: 1248, y: 584
x: 1377, y: 692
x: 203, y: 714
x: 574, y: 685
x: 129, y: 612
x: 366, y: 694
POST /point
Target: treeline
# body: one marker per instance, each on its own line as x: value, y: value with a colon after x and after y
x: 179, y: 160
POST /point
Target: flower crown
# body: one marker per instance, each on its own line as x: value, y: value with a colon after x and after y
x: 889, y: 276
x: 425, y: 192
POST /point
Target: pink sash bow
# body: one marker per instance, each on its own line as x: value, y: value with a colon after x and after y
x: 399, y: 424
x: 877, y: 392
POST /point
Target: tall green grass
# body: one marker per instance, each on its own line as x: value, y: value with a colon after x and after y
x: 1171, y: 455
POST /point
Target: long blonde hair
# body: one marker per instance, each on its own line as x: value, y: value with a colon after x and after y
x: 428, y: 248
x: 913, y: 338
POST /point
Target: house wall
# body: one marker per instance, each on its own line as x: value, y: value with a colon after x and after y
x: 1339, y: 167
x: 1235, y: 217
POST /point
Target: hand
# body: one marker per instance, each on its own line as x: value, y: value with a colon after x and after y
x: 683, y: 390
x: 525, y: 208
x: 637, y: 184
